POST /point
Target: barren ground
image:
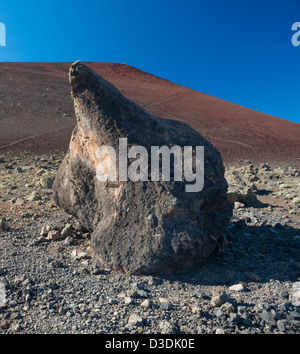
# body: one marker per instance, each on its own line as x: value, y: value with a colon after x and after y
x: 55, y: 286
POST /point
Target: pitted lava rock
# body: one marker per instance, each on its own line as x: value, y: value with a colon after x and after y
x: 137, y: 227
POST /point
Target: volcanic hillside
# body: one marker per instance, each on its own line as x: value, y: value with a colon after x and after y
x: 37, y: 114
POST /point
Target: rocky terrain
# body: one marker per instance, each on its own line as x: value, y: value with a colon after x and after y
x: 251, y: 283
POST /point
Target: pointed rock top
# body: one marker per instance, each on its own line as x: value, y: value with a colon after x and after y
x: 82, y: 78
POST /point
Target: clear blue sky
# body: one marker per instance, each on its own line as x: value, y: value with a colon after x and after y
x: 239, y: 51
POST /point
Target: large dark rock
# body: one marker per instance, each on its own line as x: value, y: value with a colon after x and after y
x: 144, y: 226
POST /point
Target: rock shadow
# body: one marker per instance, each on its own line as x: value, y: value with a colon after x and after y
x: 266, y: 251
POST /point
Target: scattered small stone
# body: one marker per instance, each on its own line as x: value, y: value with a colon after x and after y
x: 136, y: 286
x: 96, y: 270
x: 79, y: 255
x: 3, y: 225
x: 15, y: 316
x: 53, y: 235
x: 227, y: 307
x: 67, y: 231
x: 34, y: 196
x: 132, y: 293
x: 153, y: 281
x: 281, y: 326
x: 219, y: 313
x: 56, y: 264
x: 196, y: 309
x: 296, y: 200
x: 39, y: 240
x: 234, y: 318
x: 128, y: 300
x: 167, y: 328
x: 68, y: 241
x: 166, y: 305
x: 219, y: 299
x: 220, y: 331
x: 199, y: 294
x: 136, y: 320
x: 113, y: 301
x: 268, y: 318
x: 239, y: 205
x: 295, y: 294
x: 45, y: 230
x: 15, y: 327
x: 62, y: 311
x: 237, y: 288
x: 253, y: 277
x: 147, y: 303
x: 46, y: 181
x: 294, y: 316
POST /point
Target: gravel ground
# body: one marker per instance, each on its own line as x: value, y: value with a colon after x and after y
x: 52, y: 283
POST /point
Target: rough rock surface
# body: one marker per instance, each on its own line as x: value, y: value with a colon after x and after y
x: 241, y: 187
x: 137, y: 227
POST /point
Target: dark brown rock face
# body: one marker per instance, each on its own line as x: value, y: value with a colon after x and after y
x: 137, y: 226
